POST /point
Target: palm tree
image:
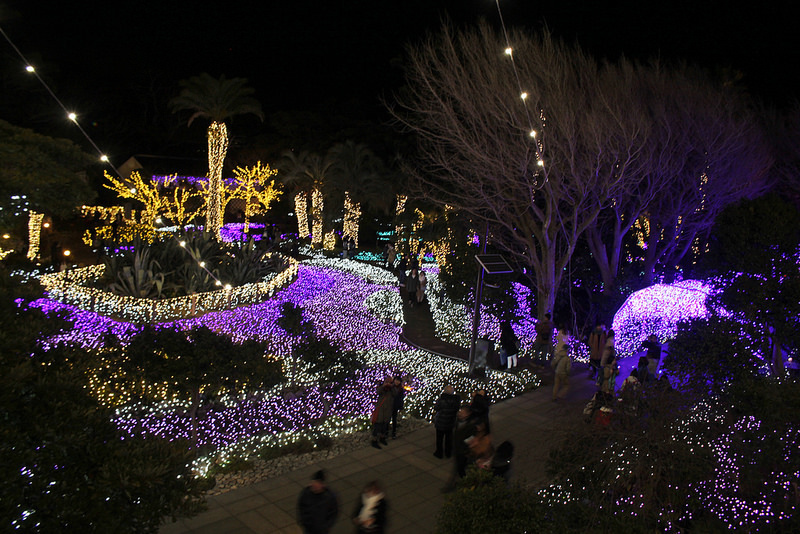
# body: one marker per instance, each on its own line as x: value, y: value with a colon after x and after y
x: 216, y: 100
x: 358, y: 177
x: 303, y: 173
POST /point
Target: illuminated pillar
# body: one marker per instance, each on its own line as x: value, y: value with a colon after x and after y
x: 217, y: 148
x: 316, y: 215
x: 34, y: 234
x: 352, y: 214
x: 301, y: 209
x: 401, y: 207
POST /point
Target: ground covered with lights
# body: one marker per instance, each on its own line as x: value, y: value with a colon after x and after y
x: 355, y: 305
x: 358, y: 306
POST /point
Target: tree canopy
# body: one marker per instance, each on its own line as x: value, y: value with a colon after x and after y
x: 50, y: 172
x: 548, y: 145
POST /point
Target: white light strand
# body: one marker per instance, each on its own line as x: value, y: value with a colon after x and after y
x: 71, y: 115
x: 509, y: 51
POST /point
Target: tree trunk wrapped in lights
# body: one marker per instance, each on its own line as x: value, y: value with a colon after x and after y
x: 316, y: 214
x: 398, y: 229
x: 217, y: 148
x: 352, y: 213
x: 301, y: 210
x: 34, y: 233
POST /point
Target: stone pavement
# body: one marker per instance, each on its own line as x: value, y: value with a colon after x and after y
x: 412, y: 477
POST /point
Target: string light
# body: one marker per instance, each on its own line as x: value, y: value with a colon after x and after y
x: 352, y: 214
x: 256, y: 187
x: 301, y: 209
x: 217, y: 134
x: 538, y: 147
x: 71, y: 115
x: 34, y: 234
x: 316, y: 217
x: 399, y: 209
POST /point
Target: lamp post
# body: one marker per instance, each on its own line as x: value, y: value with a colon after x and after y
x: 489, y: 264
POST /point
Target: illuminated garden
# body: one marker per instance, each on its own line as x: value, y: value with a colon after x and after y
x: 164, y: 327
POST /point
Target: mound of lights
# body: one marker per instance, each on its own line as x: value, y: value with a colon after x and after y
x: 454, y: 322
x: 351, y: 303
x: 657, y: 310
x: 69, y: 287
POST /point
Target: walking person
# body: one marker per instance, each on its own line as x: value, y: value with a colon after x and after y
x: 509, y: 343
x: 608, y: 349
x: 653, y: 355
x: 423, y: 284
x: 597, y: 340
x: 399, y: 393
x: 412, y: 284
x: 391, y: 256
x: 370, y: 513
x: 382, y: 413
x: 445, y: 418
x: 317, y: 506
x: 561, y: 364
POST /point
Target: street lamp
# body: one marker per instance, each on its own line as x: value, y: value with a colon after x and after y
x: 489, y: 264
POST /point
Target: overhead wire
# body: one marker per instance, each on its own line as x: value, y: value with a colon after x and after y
x: 71, y: 115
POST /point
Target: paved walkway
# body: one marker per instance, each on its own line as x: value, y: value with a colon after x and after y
x: 411, y: 475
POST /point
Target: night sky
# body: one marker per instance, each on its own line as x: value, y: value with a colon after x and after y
x: 118, y: 63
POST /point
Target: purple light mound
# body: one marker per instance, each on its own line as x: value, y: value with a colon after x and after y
x: 657, y: 310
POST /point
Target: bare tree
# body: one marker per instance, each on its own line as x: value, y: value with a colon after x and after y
x: 713, y: 153
x: 475, y: 110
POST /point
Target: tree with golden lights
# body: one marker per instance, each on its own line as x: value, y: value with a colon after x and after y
x: 357, y: 177
x: 217, y: 100
x: 147, y: 191
x: 256, y: 186
x: 181, y: 207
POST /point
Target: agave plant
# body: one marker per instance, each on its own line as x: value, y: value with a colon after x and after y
x: 143, y: 279
x: 246, y: 265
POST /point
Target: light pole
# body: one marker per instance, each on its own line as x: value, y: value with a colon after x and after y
x: 489, y: 264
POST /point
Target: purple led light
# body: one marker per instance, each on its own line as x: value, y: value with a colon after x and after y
x: 657, y: 310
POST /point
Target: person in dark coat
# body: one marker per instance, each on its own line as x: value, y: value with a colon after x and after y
x: 445, y: 418
x: 382, y: 414
x: 509, y: 343
x: 370, y: 513
x: 412, y: 284
x: 397, y: 404
x: 597, y: 340
x: 317, y: 507
x: 653, y: 355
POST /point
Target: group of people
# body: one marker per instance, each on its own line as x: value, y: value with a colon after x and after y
x: 604, y: 369
x: 391, y: 395
x: 463, y: 432
x: 318, y: 508
x: 348, y: 246
x: 411, y: 278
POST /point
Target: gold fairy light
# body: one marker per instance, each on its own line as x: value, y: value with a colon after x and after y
x: 401, y: 207
x: 146, y: 191
x: 257, y: 188
x: 329, y: 241
x: 34, y: 234
x: 316, y: 216
x: 352, y: 214
x: 301, y: 210
x: 217, y: 148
